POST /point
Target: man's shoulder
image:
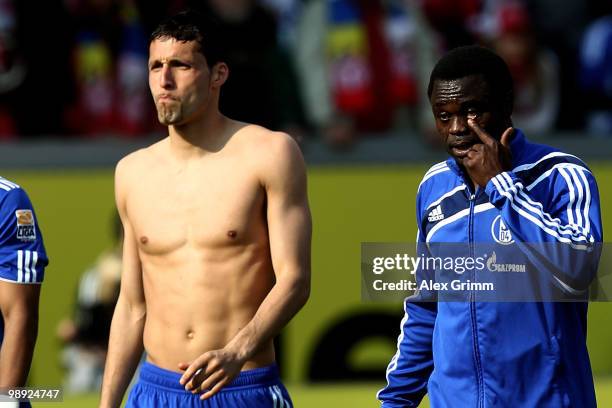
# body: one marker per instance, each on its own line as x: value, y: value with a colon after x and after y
x: 7, y: 187
x: 265, y: 145
x: 12, y: 194
x: 259, y: 136
x: 438, y: 176
x: 138, y: 157
x: 540, y: 160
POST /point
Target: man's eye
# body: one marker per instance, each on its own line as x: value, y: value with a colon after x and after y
x: 443, y: 116
x: 179, y: 64
x: 473, y: 114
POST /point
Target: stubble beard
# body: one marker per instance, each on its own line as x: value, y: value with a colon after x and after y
x: 169, y: 114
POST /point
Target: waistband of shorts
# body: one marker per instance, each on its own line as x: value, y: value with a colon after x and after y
x: 157, y: 376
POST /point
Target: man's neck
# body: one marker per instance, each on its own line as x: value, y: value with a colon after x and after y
x: 197, y: 138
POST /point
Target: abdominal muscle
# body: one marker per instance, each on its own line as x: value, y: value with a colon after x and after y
x: 197, y: 300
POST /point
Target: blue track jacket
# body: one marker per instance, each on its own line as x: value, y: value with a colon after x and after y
x: 500, y: 354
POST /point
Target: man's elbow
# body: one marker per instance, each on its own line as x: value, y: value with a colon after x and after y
x: 302, y: 290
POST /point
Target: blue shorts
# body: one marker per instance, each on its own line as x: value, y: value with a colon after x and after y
x: 257, y: 388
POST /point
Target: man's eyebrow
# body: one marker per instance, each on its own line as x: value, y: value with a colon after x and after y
x: 169, y: 59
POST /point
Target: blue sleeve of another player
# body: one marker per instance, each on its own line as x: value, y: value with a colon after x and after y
x: 564, y: 228
x: 22, y: 253
x: 410, y: 368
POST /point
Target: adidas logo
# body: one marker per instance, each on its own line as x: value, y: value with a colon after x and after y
x: 436, y: 214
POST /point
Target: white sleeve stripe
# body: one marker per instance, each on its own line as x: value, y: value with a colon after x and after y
x: 535, y: 220
x: 548, y: 156
x: 587, y: 201
x: 34, y: 262
x: 20, y: 266
x: 547, y: 218
x: 572, y: 195
x: 553, y: 168
x: 393, y: 363
x: 539, y: 209
x: 568, y: 288
x: 516, y: 191
x: 6, y: 185
x: 27, y: 266
x: 580, y: 190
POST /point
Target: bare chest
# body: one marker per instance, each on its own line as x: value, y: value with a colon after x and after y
x: 202, y: 209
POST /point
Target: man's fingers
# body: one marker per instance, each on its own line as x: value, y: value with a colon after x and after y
x: 482, y: 135
x: 211, y: 381
x: 190, y: 371
x: 215, y: 389
x: 196, y: 380
x: 505, y: 139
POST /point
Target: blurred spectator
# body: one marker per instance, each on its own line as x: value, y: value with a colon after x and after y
x: 12, y: 66
x: 535, y: 70
x: 287, y: 14
x: 110, y: 69
x: 558, y: 26
x: 262, y: 86
x: 85, y: 335
x: 450, y: 18
x: 33, y: 61
x: 360, y: 61
x: 596, y: 75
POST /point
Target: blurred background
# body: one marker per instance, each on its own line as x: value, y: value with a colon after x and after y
x: 347, y: 79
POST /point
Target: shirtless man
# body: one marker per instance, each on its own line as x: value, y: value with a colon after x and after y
x: 217, y: 241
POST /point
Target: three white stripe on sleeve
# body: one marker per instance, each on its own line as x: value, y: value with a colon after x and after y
x: 26, y: 266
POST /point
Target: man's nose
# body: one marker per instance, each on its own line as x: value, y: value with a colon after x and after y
x: 458, y: 125
x: 166, y: 78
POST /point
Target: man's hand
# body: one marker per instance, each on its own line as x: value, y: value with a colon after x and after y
x: 210, y: 372
x: 485, y: 161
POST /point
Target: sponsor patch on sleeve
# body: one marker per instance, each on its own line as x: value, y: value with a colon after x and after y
x: 25, y: 225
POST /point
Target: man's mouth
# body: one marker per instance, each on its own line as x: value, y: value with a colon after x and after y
x: 461, y: 149
x: 165, y: 97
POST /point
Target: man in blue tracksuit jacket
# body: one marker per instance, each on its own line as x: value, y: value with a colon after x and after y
x: 496, y: 354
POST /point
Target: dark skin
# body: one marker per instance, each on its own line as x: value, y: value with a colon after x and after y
x: 475, y: 127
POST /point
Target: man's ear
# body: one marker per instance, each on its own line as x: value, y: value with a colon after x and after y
x: 219, y: 74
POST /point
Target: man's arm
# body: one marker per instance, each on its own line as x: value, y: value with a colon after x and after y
x: 562, y: 235
x: 125, y: 343
x: 289, y: 229
x: 409, y: 369
x: 19, y: 306
x: 22, y: 266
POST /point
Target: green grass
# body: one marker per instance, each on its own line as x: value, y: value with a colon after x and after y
x: 323, y: 396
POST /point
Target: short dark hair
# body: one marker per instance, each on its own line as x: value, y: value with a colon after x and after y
x: 476, y: 60
x: 190, y: 25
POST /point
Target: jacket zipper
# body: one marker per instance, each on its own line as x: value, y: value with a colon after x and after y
x: 478, y: 362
